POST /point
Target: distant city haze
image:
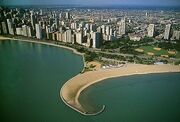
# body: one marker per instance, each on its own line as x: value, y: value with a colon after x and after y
x: 93, y: 2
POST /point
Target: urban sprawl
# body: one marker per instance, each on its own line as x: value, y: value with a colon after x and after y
x: 98, y: 29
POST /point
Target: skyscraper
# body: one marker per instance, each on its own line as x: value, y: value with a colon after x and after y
x: 1, y: 29
x: 61, y: 36
x: 19, y: 31
x: 96, y: 39
x: 67, y: 15
x: 150, y: 30
x: 10, y: 27
x: 87, y: 26
x: 167, y: 31
x: 32, y: 19
x: 4, y: 28
x: 92, y: 27
x: 176, y: 35
x: 38, y: 31
x: 48, y: 30
x: 79, y: 37
x: 107, y: 30
x: 68, y: 35
x: 122, y: 27
x: 41, y: 12
x: 55, y: 36
x: 24, y: 30
x: 74, y: 25
x: 56, y: 23
x: 103, y: 29
x: 111, y: 31
x: 60, y: 16
x: 29, y: 31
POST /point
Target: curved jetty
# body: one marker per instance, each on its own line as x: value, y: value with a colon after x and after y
x: 72, y: 89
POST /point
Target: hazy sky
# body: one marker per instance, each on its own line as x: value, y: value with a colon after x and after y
x: 93, y: 2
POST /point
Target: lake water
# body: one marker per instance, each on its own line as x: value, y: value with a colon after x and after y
x: 31, y: 76
x: 137, y: 98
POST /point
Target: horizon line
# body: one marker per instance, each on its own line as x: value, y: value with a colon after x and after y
x: 85, y: 5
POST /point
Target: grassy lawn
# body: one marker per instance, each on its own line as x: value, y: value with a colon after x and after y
x: 178, y: 55
x: 157, y: 51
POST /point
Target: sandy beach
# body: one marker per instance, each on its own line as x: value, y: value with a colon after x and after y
x: 72, y: 89
x: 4, y: 38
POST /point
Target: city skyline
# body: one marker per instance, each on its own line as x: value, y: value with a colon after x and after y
x: 94, y: 2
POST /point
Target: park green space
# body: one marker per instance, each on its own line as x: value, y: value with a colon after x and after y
x: 158, y: 52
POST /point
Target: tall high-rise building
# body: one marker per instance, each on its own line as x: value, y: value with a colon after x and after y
x: 122, y: 27
x: 4, y: 28
x: 38, y: 31
x: 55, y: 36
x: 96, y: 39
x: 41, y: 12
x: 115, y: 34
x: 150, y: 30
x: 32, y: 19
x: 79, y: 37
x: 29, y: 31
x: 107, y: 30
x: 24, y: 30
x: 57, y: 23
x: 67, y: 15
x: 19, y: 31
x: 48, y: 30
x: 60, y: 16
x: 74, y: 25
x: 111, y: 31
x: 73, y: 38
x: 68, y: 36
x: 54, y: 15
x: 167, y: 31
x: 10, y: 27
x: 92, y: 27
x: 81, y: 25
x: 99, y: 29
x: 103, y: 29
x: 87, y: 26
x: 85, y: 32
x: 1, y: 28
x: 176, y: 35
x: 61, y: 36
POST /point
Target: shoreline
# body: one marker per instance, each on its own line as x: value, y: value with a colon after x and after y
x: 72, y: 89
x: 83, y: 81
x: 43, y: 42
x: 47, y: 43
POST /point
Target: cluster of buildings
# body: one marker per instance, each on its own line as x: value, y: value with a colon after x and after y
x: 165, y: 35
x: 85, y: 27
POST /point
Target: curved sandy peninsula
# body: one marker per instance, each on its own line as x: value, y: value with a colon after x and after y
x: 72, y: 89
